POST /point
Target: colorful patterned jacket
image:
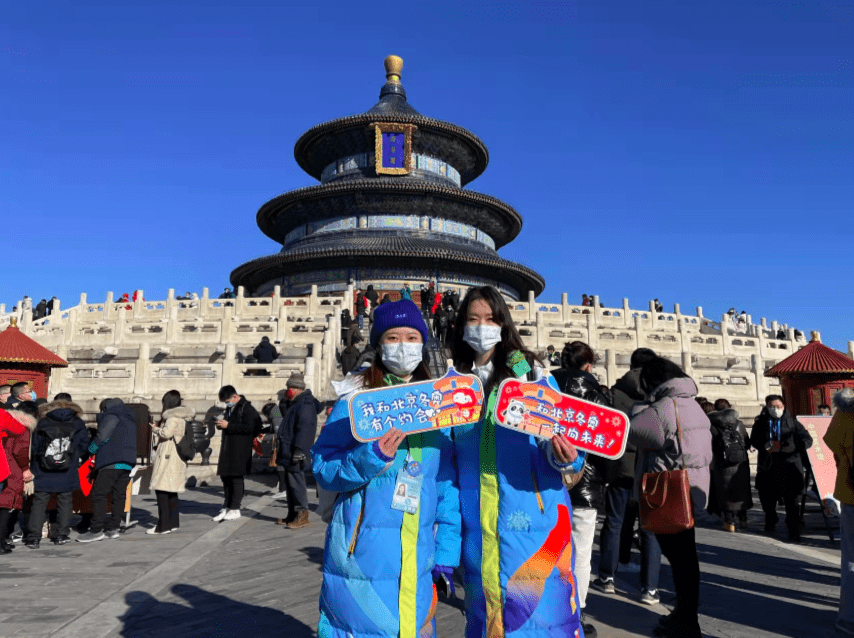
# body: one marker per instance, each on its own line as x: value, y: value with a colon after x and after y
x: 517, y: 533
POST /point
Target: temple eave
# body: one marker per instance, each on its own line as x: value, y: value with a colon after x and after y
x: 265, y: 269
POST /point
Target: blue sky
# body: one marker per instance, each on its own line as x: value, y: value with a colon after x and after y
x: 696, y: 152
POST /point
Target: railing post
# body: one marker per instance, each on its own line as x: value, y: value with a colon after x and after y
x: 109, y: 306
x: 532, y: 308
x: 627, y: 313
x: 142, y: 369
x: 564, y: 302
x: 653, y: 315
x: 597, y: 311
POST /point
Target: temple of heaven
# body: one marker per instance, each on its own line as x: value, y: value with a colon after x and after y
x: 390, y: 208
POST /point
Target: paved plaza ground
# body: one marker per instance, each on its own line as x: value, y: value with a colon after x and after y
x: 253, y: 578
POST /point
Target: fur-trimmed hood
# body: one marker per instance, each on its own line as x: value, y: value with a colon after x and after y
x: 181, y: 412
x: 724, y: 418
x: 844, y: 400
x: 24, y: 419
x: 47, y: 408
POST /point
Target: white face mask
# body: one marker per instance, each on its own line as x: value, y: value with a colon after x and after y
x: 482, y: 338
x: 401, y: 358
x: 775, y: 412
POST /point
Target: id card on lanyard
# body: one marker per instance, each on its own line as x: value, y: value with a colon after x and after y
x: 407, y: 488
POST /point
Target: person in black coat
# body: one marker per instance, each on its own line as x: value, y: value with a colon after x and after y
x: 780, y: 440
x: 350, y: 356
x: 588, y: 494
x: 114, y: 448
x: 265, y: 352
x: 241, y: 425
x: 294, y: 440
x: 621, y: 510
x: 730, y: 467
x: 374, y: 298
x: 61, y: 435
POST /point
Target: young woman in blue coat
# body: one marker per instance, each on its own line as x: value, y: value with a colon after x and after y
x: 517, y: 533
x: 379, y: 562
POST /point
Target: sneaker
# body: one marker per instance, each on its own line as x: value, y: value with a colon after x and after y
x: 220, y: 516
x: 61, y: 540
x: 589, y: 630
x: 91, y: 537
x: 231, y: 515
x: 280, y: 496
x: 649, y: 597
x: 111, y: 533
x: 605, y: 585
x: 32, y: 543
x: 729, y: 527
x: 17, y: 537
x: 157, y: 532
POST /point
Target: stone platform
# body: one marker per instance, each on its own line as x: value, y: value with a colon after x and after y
x: 251, y: 578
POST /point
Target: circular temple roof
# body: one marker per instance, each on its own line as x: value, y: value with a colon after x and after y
x: 323, y: 144
x: 388, y: 196
x: 405, y: 251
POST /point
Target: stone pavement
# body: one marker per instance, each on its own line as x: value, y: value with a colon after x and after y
x: 251, y: 577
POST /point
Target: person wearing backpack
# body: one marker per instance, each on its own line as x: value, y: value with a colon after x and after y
x: 170, y: 464
x: 730, y: 468
x: 58, y: 443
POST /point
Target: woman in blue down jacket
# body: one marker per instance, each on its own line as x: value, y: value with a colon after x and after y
x: 379, y: 562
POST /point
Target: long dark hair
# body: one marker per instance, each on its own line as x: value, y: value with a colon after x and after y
x: 511, y: 341
x: 171, y: 399
x: 373, y: 376
x: 658, y: 371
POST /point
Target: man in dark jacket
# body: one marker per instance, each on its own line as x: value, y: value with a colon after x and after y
x: 114, y: 447
x: 618, y: 494
x: 574, y: 377
x: 295, y: 437
x: 265, y: 352
x: 41, y: 310
x: 241, y: 425
x: 374, y: 298
x: 350, y: 355
x: 780, y: 439
x: 59, y: 442
x: 19, y: 393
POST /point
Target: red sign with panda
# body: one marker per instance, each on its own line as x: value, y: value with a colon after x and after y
x: 540, y: 410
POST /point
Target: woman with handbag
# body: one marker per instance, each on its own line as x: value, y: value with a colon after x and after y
x: 170, y: 470
x: 674, y: 444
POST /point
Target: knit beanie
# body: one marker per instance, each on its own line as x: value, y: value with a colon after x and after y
x: 296, y: 381
x: 396, y: 314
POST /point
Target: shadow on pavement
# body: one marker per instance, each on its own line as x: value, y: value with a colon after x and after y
x: 208, y: 614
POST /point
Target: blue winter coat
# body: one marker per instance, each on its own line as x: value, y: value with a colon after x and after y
x: 69, y: 480
x: 364, y: 585
x: 518, y: 553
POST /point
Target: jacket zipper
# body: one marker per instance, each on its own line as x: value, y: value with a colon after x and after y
x: 537, y: 492
x: 357, y: 528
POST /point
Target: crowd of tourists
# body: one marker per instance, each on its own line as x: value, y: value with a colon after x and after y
x: 512, y: 517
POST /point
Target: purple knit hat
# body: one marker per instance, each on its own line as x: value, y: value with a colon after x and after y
x: 394, y: 315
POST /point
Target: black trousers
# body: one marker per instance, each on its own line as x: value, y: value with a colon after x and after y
x: 39, y: 511
x: 109, y: 481
x: 233, y: 486
x: 782, y: 480
x: 7, y: 522
x: 295, y: 487
x: 681, y: 552
x: 730, y: 516
x: 167, y: 510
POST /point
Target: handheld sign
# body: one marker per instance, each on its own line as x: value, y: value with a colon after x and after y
x: 821, y: 458
x: 455, y: 399
x: 540, y: 410
x: 86, y: 471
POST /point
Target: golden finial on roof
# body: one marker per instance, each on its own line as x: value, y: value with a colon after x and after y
x: 393, y: 67
x: 13, y: 322
x: 815, y: 336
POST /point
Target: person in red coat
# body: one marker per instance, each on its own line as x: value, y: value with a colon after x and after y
x: 16, y: 427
